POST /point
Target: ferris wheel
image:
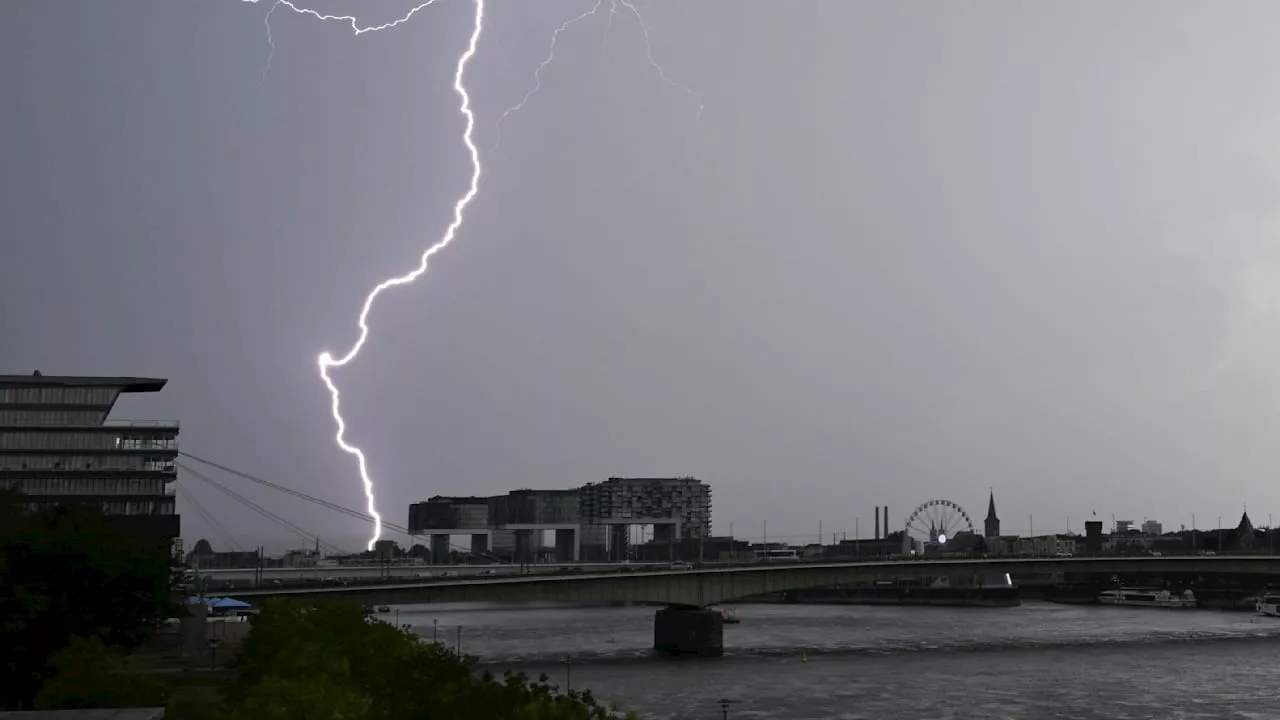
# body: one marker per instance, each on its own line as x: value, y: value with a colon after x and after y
x: 937, y: 521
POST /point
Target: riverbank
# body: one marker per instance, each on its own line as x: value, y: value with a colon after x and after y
x: 897, y: 595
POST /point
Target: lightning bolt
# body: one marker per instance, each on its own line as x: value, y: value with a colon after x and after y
x: 537, y: 73
x: 648, y: 50
x: 356, y: 29
x: 326, y: 361
x: 551, y: 56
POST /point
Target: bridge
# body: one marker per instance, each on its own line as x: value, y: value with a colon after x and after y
x: 226, y: 580
x: 685, y: 626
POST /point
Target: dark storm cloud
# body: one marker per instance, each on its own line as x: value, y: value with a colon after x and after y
x: 909, y: 250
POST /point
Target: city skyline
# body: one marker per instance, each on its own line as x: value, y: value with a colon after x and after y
x: 938, y: 250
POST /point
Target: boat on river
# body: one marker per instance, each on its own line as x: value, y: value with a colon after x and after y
x: 1269, y: 605
x: 1136, y: 597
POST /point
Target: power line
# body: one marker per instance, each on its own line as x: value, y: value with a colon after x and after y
x: 309, y: 537
x: 248, y: 503
x: 208, y: 518
x: 295, y: 493
x: 322, y: 503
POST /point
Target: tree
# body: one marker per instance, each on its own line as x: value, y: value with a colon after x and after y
x: 87, y: 675
x: 66, y: 572
x: 331, y: 662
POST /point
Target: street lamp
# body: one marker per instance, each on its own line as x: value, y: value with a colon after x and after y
x: 568, y: 674
x: 435, y: 627
x: 724, y: 708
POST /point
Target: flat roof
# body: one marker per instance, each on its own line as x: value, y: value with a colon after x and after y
x: 456, y: 500
x: 126, y: 384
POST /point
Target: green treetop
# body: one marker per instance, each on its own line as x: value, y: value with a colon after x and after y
x: 331, y: 662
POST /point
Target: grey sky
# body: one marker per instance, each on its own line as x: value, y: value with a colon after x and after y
x: 909, y: 250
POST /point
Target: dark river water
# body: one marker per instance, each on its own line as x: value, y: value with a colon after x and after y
x: 1036, y: 661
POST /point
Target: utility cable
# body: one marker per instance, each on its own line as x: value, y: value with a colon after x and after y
x: 321, y: 502
x: 295, y: 493
x: 309, y: 537
x: 207, y: 517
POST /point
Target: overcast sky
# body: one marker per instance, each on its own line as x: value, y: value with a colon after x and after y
x: 908, y: 251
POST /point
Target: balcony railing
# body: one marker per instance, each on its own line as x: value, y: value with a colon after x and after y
x: 141, y: 423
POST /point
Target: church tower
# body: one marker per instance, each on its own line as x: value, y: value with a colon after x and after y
x: 991, y: 528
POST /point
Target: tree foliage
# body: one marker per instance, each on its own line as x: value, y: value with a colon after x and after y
x: 66, y: 572
x: 331, y: 662
x: 87, y: 675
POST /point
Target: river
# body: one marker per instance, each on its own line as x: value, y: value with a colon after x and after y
x: 1039, y: 660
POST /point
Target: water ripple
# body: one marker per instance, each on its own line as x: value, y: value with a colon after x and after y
x: 1035, y: 661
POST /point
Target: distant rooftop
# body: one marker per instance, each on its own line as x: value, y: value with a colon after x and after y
x: 126, y: 384
x: 682, y: 479
x: 458, y: 499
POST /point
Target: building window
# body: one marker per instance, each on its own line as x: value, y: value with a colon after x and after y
x: 58, y: 395
x: 50, y: 417
x: 39, y: 441
x: 70, y: 487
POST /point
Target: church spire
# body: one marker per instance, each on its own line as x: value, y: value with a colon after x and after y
x: 991, y: 528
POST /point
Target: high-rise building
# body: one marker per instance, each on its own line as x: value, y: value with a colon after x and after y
x: 991, y: 526
x: 449, y: 513
x: 1152, y: 527
x: 57, y: 446
x: 677, y: 507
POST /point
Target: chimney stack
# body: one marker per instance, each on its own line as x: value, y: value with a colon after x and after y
x: 886, y: 522
x: 877, y: 522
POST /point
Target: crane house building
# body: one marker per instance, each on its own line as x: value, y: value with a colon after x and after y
x: 58, y: 446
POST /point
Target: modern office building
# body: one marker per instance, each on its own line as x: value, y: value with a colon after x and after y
x: 442, y: 517
x: 677, y: 508
x: 448, y: 513
x: 58, y: 446
x: 584, y: 521
x: 532, y: 513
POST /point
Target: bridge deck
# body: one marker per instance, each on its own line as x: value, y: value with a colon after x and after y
x: 698, y: 588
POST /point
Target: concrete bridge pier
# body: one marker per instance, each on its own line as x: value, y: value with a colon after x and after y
x: 524, y: 547
x: 479, y: 545
x: 688, y: 632
x: 566, y: 545
x: 619, y: 542
x: 439, y: 549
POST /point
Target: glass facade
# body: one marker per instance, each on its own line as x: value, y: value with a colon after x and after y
x: 108, y: 438
x: 86, y: 486
x: 121, y: 461
x: 37, y: 394
x: 617, y: 499
x: 449, y: 513
x: 51, y: 417
x: 57, y: 446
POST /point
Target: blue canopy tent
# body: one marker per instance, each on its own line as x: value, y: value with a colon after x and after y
x: 228, y: 604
